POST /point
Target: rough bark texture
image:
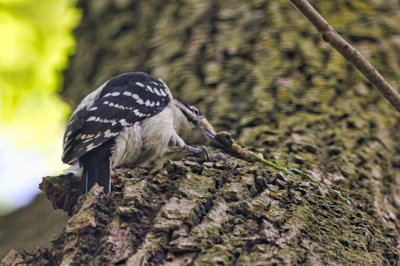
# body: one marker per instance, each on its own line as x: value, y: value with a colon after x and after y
x: 351, y: 54
x: 258, y: 70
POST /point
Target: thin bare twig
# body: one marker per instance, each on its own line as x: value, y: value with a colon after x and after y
x: 351, y: 54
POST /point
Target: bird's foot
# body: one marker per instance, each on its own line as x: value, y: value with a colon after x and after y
x: 206, y: 155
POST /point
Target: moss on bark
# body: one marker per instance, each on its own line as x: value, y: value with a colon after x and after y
x: 258, y: 70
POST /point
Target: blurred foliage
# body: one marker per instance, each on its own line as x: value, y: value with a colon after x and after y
x: 36, y: 43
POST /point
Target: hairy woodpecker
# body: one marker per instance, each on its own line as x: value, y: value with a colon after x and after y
x: 127, y: 121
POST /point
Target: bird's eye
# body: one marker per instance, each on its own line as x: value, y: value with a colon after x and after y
x: 195, y: 110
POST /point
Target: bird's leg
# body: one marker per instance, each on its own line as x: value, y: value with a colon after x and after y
x: 204, y: 154
x: 201, y: 153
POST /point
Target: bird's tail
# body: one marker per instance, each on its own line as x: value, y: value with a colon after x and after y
x: 96, y: 168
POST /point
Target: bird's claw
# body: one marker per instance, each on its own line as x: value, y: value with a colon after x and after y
x: 206, y: 155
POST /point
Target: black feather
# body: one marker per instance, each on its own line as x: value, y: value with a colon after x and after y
x: 84, y: 132
x: 96, y: 167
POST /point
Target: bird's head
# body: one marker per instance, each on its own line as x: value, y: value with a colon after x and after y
x: 194, y: 127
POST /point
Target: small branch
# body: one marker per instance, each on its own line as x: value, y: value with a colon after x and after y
x: 351, y: 54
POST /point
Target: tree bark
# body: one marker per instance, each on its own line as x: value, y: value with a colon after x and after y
x: 329, y: 35
x: 257, y: 70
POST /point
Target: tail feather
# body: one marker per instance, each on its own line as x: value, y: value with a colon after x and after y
x: 96, y: 168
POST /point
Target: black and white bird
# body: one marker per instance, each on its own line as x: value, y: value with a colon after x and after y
x: 129, y: 120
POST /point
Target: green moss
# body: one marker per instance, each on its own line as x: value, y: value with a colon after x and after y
x: 260, y: 71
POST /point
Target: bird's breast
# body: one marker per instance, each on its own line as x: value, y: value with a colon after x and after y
x: 143, y: 141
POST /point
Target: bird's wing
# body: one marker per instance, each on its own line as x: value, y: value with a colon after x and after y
x: 103, y: 114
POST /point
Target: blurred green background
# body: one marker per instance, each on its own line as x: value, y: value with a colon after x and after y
x: 36, y: 41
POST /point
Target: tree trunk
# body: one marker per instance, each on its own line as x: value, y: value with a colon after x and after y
x: 258, y: 70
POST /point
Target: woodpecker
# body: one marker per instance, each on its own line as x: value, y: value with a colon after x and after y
x: 128, y: 121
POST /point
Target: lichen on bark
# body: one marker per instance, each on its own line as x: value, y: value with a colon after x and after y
x: 258, y: 70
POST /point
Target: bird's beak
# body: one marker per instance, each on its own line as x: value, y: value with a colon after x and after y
x: 209, y: 130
